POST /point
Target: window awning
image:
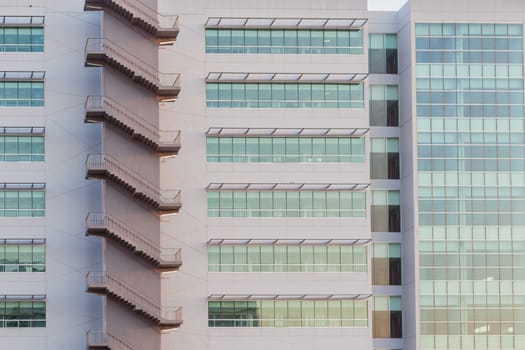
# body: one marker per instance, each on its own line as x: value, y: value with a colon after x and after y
x: 21, y: 20
x: 286, y: 23
x: 275, y: 132
x: 22, y: 186
x: 22, y: 241
x: 38, y: 297
x: 22, y: 131
x: 288, y: 241
x: 286, y: 187
x: 17, y: 76
x: 286, y: 77
x: 247, y: 297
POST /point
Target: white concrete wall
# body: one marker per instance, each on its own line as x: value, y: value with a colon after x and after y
x: 69, y: 254
x: 191, y: 229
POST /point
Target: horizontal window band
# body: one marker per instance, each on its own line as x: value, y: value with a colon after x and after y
x: 288, y: 241
x: 286, y: 187
x: 286, y: 23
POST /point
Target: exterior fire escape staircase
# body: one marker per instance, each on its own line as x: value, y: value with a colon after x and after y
x: 104, y: 109
x: 101, y: 52
x: 163, y: 28
x: 101, y: 166
x: 99, y: 224
x: 163, y: 317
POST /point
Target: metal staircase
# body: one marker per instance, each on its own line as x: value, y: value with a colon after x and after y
x: 101, y: 52
x: 101, y: 166
x: 104, y: 109
x: 164, y: 317
x: 163, y: 28
x: 99, y: 224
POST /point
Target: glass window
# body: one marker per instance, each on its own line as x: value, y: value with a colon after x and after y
x: 382, y: 53
x: 384, y: 105
x: 21, y: 94
x: 21, y: 39
x: 289, y: 313
x: 284, y: 95
x: 285, y: 149
x: 283, y: 41
x: 22, y: 314
x: 384, y: 158
x: 22, y: 203
x: 287, y: 258
x: 286, y: 204
x: 21, y: 148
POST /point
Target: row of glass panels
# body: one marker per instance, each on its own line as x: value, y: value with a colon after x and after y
x: 286, y: 204
x: 22, y: 258
x: 287, y: 258
x: 284, y: 41
x: 289, y: 313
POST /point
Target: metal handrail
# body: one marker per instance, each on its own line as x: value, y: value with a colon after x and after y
x: 139, y: 67
x: 172, y: 255
x: 140, y: 302
x: 141, y: 185
x: 141, y: 10
x: 98, y: 338
x: 139, y: 125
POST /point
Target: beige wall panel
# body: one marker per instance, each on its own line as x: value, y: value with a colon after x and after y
x: 130, y: 327
x: 133, y: 271
x: 139, y: 44
x: 133, y: 212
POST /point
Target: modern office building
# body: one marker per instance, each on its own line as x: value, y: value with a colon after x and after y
x: 227, y: 174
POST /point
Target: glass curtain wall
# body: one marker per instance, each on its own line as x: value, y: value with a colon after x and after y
x: 471, y: 185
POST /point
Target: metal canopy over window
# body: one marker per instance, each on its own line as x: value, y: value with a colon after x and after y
x: 339, y: 78
x: 242, y: 297
x: 21, y: 20
x: 286, y: 187
x: 22, y: 186
x: 275, y: 132
x: 18, y: 76
x: 286, y: 23
x: 22, y: 131
x: 38, y: 297
x: 17, y: 241
x: 289, y: 241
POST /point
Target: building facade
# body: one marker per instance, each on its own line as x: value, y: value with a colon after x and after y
x: 248, y: 174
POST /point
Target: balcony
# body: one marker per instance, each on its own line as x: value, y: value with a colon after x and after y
x: 164, y: 317
x: 99, y: 224
x: 163, y: 28
x: 100, y: 166
x: 101, y: 52
x: 105, y: 341
x: 104, y: 109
